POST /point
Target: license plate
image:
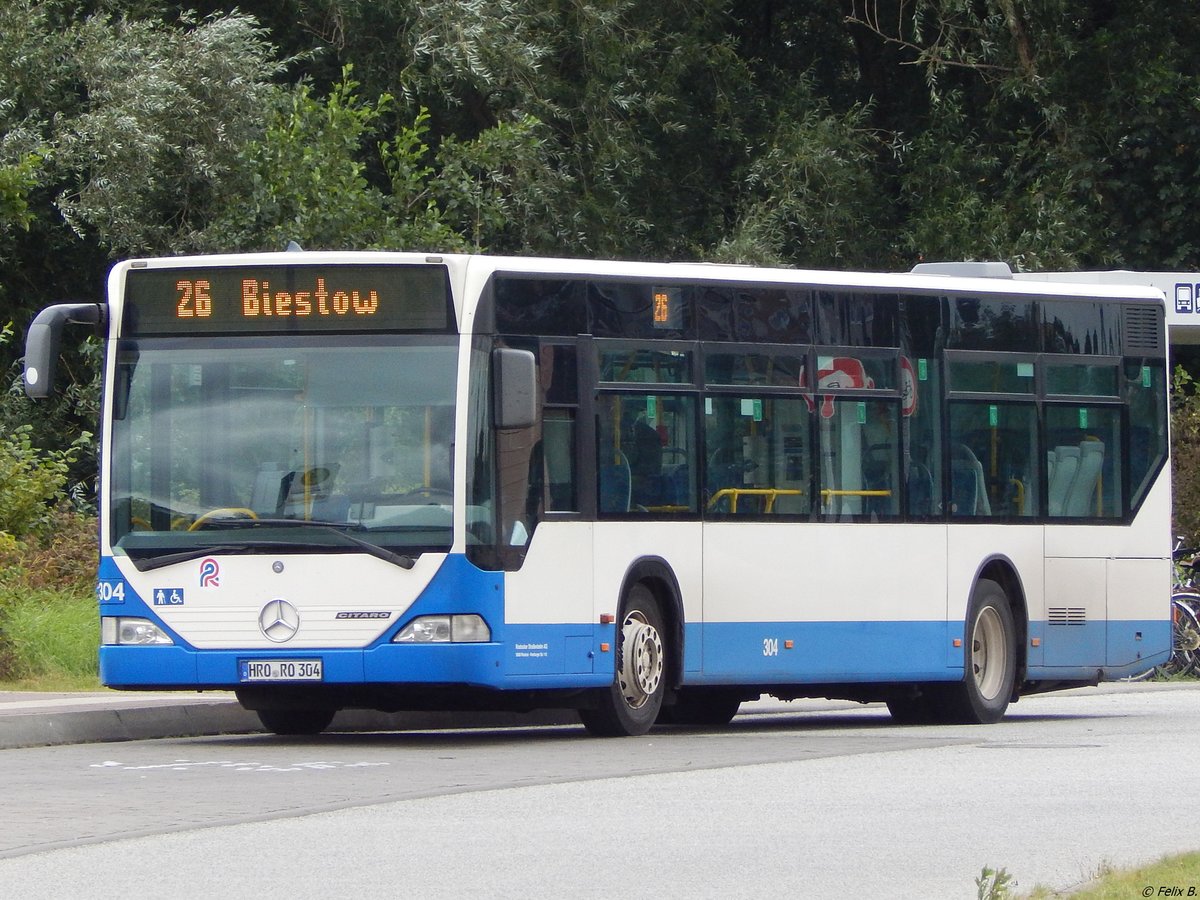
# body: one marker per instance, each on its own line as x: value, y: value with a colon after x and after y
x: 282, y: 670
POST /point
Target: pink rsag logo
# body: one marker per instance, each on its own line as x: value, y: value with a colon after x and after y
x: 210, y: 573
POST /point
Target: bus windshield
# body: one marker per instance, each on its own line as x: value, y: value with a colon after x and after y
x: 248, y: 445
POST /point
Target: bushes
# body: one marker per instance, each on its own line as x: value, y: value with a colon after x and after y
x: 1185, y: 457
x: 48, y: 626
x: 47, y: 566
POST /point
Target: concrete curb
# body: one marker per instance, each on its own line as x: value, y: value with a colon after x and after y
x: 43, y: 720
x: 43, y: 729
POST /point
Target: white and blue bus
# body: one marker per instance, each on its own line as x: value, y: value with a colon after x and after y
x: 648, y: 492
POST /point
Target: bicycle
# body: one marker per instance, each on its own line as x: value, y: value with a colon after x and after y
x: 1185, y: 618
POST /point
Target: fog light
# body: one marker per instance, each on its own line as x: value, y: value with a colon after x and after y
x: 461, y: 629
x: 469, y: 630
x: 124, y: 631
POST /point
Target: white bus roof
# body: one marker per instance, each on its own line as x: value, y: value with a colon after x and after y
x: 480, y: 266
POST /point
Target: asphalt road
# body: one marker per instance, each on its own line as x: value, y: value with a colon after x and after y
x: 801, y: 800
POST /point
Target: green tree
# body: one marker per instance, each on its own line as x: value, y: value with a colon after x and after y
x: 176, y: 101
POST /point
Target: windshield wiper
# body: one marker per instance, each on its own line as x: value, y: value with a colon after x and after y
x: 341, y: 529
x: 146, y: 563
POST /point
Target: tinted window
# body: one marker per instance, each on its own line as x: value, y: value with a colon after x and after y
x: 861, y: 371
x: 539, y: 306
x: 921, y: 408
x: 1081, y: 379
x: 993, y: 323
x: 628, y: 363
x: 991, y: 376
x: 858, y: 319
x: 1080, y: 326
x: 637, y: 310
x: 1145, y: 393
x: 771, y: 315
x: 746, y: 367
x: 921, y: 331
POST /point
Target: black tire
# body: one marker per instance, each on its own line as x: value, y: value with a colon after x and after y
x: 989, y: 658
x: 632, y: 704
x: 295, y: 721
x: 917, y: 709
x: 697, y: 706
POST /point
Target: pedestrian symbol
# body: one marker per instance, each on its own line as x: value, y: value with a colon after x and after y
x: 171, y: 596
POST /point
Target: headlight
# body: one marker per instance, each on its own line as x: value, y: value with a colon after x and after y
x: 129, y: 631
x: 465, y: 629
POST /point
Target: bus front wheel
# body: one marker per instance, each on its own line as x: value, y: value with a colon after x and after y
x: 285, y: 721
x: 632, y: 703
x: 990, y: 659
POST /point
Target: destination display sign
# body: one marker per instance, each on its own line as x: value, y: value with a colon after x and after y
x: 287, y: 299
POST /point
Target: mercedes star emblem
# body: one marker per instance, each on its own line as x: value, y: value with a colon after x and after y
x: 279, y: 621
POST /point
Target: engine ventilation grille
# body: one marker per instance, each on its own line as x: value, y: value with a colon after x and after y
x: 1066, y: 615
x: 1143, y: 330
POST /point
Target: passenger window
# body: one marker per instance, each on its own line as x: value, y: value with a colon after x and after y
x: 994, y: 464
x: 759, y: 461
x: 646, y: 454
x: 920, y: 408
x: 1083, y: 461
x: 992, y: 376
x: 859, y: 466
x: 784, y: 369
x: 1144, y: 394
x: 1081, y: 379
x: 558, y: 452
x: 627, y: 364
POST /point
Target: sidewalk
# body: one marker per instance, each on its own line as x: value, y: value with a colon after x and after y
x: 32, y: 719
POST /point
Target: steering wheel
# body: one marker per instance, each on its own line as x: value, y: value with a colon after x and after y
x: 223, y: 511
x: 434, y: 494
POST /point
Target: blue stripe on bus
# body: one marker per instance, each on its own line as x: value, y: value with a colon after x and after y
x: 532, y: 656
x: 736, y: 652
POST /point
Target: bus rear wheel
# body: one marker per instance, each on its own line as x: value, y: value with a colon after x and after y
x: 284, y: 721
x: 632, y: 703
x: 698, y: 706
x: 916, y: 708
x: 990, y: 659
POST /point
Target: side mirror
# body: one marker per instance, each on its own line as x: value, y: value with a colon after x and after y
x: 515, y: 387
x: 44, y: 339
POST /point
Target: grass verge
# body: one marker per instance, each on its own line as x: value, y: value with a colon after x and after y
x: 1171, y: 876
x: 48, y: 640
x: 49, y: 626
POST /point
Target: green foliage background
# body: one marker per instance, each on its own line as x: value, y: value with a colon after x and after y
x: 862, y: 133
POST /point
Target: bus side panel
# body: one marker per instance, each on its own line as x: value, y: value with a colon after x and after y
x: 548, y: 614
x: 1108, y: 592
x: 971, y: 547
x: 1139, y: 608
x: 554, y: 584
x: 862, y: 601
x: 1076, y: 612
x: 618, y: 545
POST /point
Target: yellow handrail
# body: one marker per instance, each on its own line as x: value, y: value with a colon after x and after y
x: 735, y: 493
x: 830, y: 492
